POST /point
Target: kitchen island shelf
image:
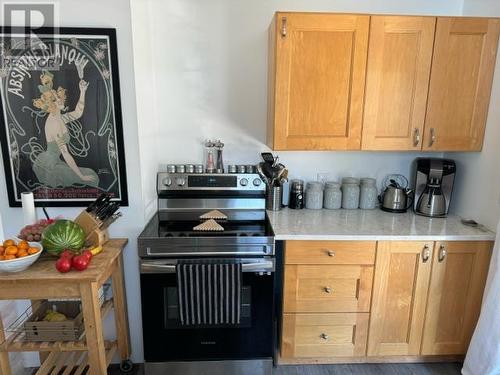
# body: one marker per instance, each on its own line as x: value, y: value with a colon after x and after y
x: 75, y: 363
x: 17, y: 342
x: 91, y: 354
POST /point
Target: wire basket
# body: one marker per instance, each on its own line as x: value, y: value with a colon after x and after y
x: 30, y: 325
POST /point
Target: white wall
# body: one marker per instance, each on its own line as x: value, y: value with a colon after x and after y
x: 477, y: 192
x: 203, y: 69
x: 114, y: 14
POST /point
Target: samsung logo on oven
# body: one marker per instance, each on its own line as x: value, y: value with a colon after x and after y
x: 208, y: 342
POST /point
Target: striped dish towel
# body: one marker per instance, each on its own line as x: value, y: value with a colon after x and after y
x: 209, y: 294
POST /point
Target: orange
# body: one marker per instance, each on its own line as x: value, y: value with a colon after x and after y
x: 8, y: 243
x: 11, y: 250
x: 33, y: 250
x: 2, y: 257
x: 23, y: 245
x: 22, y: 254
x: 2, y: 250
x: 9, y: 257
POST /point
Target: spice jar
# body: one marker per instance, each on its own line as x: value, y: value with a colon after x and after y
x: 368, y: 195
x: 350, y: 193
x: 314, y: 195
x: 332, y: 197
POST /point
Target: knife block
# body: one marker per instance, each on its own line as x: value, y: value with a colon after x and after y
x: 90, y: 225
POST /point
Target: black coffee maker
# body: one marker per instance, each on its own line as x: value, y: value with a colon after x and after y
x: 433, y: 180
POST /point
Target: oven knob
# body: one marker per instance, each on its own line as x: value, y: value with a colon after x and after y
x: 167, y: 181
x: 180, y: 181
x: 257, y: 182
x: 243, y: 182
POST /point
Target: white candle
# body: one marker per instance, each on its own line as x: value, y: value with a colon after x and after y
x: 29, y: 213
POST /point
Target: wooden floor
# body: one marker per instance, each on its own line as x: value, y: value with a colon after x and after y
x: 368, y: 369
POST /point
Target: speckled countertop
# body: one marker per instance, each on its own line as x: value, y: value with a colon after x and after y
x: 370, y: 225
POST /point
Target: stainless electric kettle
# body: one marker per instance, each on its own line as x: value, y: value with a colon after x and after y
x: 396, y: 197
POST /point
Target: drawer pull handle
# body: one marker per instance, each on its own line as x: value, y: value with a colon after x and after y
x: 330, y: 253
x: 328, y: 289
x: 324, y: 336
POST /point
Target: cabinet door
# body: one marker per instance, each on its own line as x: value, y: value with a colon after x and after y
x: 402, y: 272
x: 319, y: 81
x: 459, y: 273
x: 460, y: 86
x: 397, y: 82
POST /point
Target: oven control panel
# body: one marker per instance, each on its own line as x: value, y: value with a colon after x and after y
x: 210, y: 181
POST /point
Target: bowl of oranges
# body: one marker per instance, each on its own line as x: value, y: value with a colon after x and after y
x: 17, y: 255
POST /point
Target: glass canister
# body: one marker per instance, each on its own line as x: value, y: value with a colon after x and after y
x: 350, y: 193
x: 368, y: 194
x: 332, y: 196
x: 314, y: 195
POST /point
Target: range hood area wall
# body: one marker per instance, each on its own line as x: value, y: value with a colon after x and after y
x: 201, y: 72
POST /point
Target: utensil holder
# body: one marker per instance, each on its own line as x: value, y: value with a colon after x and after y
x: 274, y: 198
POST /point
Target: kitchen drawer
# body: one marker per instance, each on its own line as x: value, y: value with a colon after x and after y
x: 330, y: 252
x: 324, y: 335
x: 327, y: 288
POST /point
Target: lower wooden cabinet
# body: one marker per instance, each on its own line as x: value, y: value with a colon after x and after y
x: 458, y: 278
x: 425, y: 300
x: 427, y: 297
x: 317, y: 288
x: 399, y: 296
x: 324, y: 335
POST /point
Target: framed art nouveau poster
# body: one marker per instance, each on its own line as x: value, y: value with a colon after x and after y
x: 61, y: 125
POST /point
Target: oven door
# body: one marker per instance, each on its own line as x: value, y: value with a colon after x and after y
x: 166, y: 339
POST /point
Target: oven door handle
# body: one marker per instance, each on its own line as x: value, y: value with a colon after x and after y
x: 266, y: 266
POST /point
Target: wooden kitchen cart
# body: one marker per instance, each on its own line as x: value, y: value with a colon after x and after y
x: 41, y: 281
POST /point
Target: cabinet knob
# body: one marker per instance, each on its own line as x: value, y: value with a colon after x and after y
x: 433, y: 137
x: 442, y: 253
x: 327, y: 289
x: 330, y: 253
x: 426, y: 253
x: 324, y: 336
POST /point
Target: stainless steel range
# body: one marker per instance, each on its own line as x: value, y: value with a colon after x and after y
x: 171, y: 240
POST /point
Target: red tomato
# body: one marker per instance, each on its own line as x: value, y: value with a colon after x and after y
x: 87, y: 254
x: 80, y: 262
x: 67, y: 254
x: 63, y: 265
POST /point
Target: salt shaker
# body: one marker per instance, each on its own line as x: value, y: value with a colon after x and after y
x: 314, y: 195
x: 350, y: 193
x: 332, y: 197
x: 368, y: 195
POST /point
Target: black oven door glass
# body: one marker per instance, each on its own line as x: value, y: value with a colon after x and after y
x: 165, y: 339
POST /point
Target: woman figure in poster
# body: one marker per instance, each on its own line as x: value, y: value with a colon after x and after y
x: 50, y: 170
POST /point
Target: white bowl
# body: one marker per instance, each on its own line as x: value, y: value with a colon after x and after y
x: 20, y: 264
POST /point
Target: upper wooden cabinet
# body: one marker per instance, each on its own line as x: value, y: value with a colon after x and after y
x: 428, y: 82
x: 316, y: 81
x: 458, y: 276
x: 399, y: 65
x: 460, y: 86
